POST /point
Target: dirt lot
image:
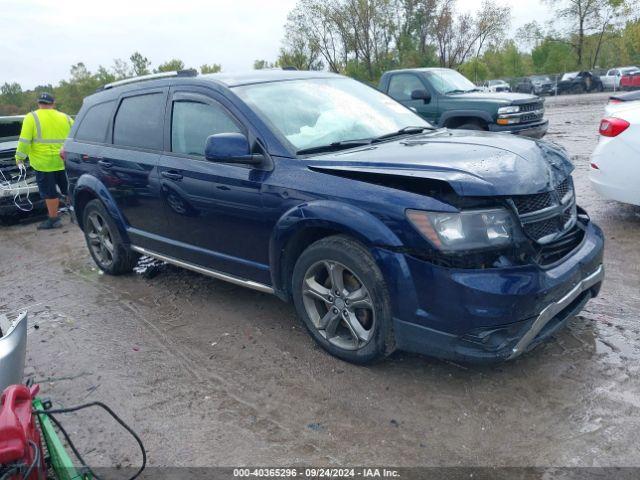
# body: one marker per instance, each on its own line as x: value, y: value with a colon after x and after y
x: 212, y: 374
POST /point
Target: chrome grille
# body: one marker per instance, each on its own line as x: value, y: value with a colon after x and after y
x: 547, y: 216
x: 530, y: 107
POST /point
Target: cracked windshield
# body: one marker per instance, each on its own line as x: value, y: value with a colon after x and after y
x: 318, y: 112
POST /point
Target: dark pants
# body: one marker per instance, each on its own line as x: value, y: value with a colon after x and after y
x: 48, y: 181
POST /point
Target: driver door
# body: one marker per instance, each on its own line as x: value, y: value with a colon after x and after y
x: 214, y: 210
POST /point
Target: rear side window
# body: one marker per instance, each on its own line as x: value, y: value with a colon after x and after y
x: 138, y: 122
x: 94, y: 124
x: 401, y: 86
x: 192, y: 122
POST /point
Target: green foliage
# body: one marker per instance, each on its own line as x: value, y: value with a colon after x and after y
x: 213, y: 68
x: 172, y: 65
x: 262, y: 64
x: 140, y: 64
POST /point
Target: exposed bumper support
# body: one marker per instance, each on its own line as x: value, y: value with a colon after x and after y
x: 13, y: 351
x: 553, y: 309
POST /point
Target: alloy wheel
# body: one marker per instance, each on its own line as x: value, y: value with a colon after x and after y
x: 100, y: 239
x: 339, y: 305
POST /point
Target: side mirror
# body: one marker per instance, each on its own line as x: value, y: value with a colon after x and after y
x: 230, y: 148
x: 423, y: 95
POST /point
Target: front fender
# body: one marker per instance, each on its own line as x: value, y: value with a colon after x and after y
x: 89, y: 185
x: 330, y: 215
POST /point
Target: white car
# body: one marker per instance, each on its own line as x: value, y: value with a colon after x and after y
x: 496, y: 86
x: 611, y: 81
x: 615, y: 164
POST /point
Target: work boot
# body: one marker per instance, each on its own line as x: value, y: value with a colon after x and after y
x: 50, y: 223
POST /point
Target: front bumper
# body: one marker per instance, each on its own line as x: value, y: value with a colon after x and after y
x: 533, y: 130
x: 493, y: 314
x: 7, y: 204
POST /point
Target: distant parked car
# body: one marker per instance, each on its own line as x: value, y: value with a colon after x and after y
x: 446, y: 98
x: 625, y: 97
x: 496, y: 86
x: 630, y: 81
x: 536, y: 85
x: 611, y: 81
x: 580, y: 82
x: 615, y: 170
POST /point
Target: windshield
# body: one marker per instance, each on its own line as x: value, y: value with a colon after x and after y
x: 323, y: 111
x: 496, y: 82
x: 570, y: 76
x: 449, y: 81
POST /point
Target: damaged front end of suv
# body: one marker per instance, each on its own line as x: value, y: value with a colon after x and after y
x: 497, y: 256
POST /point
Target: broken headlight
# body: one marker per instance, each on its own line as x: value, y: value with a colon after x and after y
x: 465, y: 230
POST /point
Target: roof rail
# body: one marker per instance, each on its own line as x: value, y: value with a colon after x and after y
x: 153, y: 76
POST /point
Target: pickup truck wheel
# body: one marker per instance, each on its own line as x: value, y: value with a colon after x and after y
x: 104, y: 241
x: 341, y: 297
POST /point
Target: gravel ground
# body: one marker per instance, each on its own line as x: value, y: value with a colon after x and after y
x: 212, y: 374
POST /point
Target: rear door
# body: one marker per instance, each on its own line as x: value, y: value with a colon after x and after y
x: 128, y: 166
x: 214, y: 210
x: 400, y: 87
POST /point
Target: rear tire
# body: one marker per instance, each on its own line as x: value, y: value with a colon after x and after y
x: 105, y: 242
x: 342, y: 300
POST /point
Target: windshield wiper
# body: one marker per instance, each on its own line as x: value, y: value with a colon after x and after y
x: 335, y: 146
x: 457, y: 90
x: 403, y: 131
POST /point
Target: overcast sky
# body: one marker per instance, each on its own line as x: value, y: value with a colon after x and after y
x: 43, y: 38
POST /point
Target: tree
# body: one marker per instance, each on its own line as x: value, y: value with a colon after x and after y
x: 121, y: 69
x: 140, y: 64
x: 262, y: 64
x: 213, y: 68
x: 583, y: 17
x: 173, y: 65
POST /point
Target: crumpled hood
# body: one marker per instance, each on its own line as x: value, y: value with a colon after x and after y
x: 473, y: 163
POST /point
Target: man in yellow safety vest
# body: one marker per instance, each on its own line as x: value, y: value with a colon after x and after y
x: 43, y: 133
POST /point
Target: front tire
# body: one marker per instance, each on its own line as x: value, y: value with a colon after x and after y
x: 342, y: 299
x: 104, y: 241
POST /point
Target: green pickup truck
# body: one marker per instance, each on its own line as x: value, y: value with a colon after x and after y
x: 446, y: 98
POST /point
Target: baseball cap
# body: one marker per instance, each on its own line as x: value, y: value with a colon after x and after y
x: 45, y: 97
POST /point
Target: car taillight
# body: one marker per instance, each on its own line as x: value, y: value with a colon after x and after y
x: 612, y: 127
x: 614, y: 100
x: 63, y: 154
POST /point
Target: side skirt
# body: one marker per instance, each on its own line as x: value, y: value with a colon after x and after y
x: 206, y: 271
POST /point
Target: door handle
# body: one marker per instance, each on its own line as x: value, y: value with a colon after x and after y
x: 171, y: 175
x: 105, y: 163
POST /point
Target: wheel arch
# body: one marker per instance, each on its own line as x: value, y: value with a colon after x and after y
x: 305, y: 224
x: 455, y: 118
x: 89, y: 188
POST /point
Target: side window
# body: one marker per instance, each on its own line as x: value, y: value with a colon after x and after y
x: 192, y: 122
x: 401, y: 86
x: 94, y: 124
x: 139, y: 122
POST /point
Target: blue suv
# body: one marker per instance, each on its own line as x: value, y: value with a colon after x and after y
x: 385, y: 232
